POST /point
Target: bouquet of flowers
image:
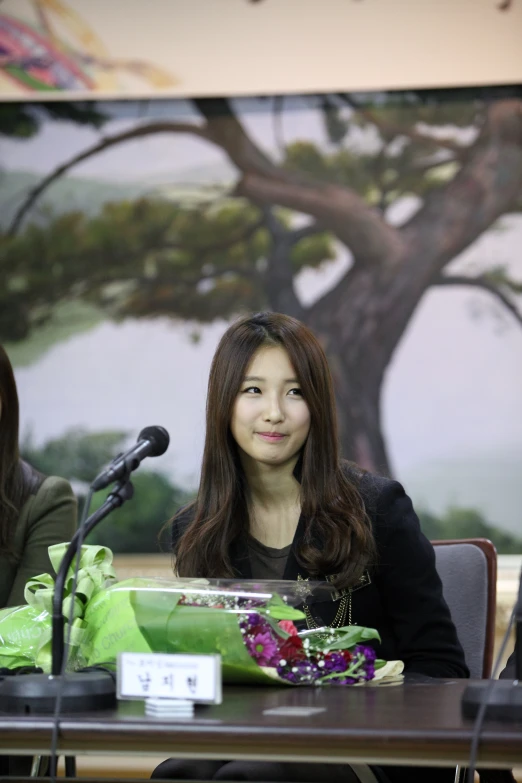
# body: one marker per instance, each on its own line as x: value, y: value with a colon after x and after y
x: 252, y: 626
x: 325, y: 658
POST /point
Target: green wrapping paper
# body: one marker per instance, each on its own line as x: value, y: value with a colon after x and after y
x: 145, y: 615
x: 25, y: 631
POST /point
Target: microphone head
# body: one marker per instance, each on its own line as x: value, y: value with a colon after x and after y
x: 159, y: 437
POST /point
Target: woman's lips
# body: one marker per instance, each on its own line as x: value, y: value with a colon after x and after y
x: 271, y: 437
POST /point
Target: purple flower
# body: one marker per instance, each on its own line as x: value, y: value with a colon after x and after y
x: 253, y: 618
x: 343, y: 681
x: 339, y: 667
x: 368, y: 652
x: 334, y: 662
x: 299, y: 672
x: 263, y: 648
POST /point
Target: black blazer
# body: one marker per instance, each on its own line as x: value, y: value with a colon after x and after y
x: 509, y: 671
x: 400, y: 596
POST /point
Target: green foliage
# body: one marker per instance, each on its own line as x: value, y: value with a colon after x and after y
x: 311, y: 250
x: 77, y: 455
x: 135, y: 527
x: 305, y: 157
x: 378, y: 178
x: 499, y: 276
x: 468, y: 523
x: 438, y: 107
x: 23, y: 120
x: 143, y: 258
x: 437, y: 114
x: 336, y: 125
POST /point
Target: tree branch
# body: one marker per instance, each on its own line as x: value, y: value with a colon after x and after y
x: 105, y: 144
x: 486, y: 186
x: 337, y: 208
x: 226, y: 131
x: 292, y: 236
x: 306, y: 231
x: 390, y: 129
x: 483, y: 284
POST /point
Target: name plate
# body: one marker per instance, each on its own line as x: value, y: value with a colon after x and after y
x: 196, y: 678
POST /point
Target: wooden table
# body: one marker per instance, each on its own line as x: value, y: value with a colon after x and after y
x: 401, y: 724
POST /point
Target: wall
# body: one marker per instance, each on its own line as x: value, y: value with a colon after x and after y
x: 246, y: 47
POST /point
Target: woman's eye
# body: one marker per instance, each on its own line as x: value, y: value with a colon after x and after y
x: 252, y: 390
x: 297, y: 392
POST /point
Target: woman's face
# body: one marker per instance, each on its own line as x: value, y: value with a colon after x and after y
x: 270, y: 419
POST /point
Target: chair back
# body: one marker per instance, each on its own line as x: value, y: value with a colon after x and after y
x: 468, y: 571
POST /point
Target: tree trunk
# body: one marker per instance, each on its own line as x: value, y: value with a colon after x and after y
x: 359, y: 416
x: 279, y: 274
x: 349, y: 323
x: 360, y: 323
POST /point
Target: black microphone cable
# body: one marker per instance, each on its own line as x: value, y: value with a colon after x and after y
x: 479, y: 720
x: 53, y: 761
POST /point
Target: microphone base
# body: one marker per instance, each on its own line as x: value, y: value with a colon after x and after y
x: 30, y: 694
x: 504, y: 702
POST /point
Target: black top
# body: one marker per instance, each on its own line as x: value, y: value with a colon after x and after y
x: 401, y: 596
x: 266, y: 562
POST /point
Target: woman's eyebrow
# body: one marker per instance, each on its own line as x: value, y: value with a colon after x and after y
x: 257, y: 378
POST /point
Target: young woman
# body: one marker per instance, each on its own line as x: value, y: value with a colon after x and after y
x: 276, y: 501
x: 35, y: 511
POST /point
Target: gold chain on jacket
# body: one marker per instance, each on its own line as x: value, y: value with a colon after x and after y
x: 345, y: 608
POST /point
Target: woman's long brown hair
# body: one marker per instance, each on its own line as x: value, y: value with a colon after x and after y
x: 338, y: 537
x: 13, y: 489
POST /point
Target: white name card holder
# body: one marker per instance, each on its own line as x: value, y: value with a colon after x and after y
x: 192, y: 678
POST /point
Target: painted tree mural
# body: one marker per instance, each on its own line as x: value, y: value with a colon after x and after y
x: 154, y: 256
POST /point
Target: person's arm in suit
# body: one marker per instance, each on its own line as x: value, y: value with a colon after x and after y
x: 49, y: 517
x: 508, y: 672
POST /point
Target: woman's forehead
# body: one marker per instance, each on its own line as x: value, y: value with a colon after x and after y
x: 270, y: 360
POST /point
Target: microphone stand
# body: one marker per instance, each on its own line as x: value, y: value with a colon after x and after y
x: 502, y: 698
x: 80, y: 691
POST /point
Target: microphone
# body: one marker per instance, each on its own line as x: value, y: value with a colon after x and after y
x: 500, y: 699
x: 152, y: 442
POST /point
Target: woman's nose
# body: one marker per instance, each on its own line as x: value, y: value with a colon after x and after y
x: 273, y: 410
